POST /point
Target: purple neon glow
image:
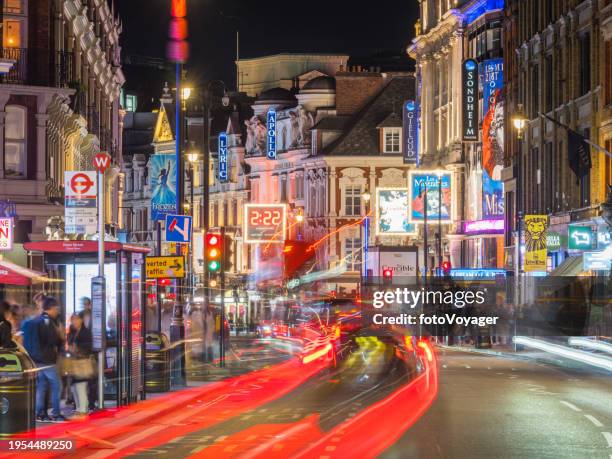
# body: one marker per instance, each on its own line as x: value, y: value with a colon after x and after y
x: 484, y: 225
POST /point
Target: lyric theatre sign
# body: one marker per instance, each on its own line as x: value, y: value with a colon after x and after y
x: 469, y: 84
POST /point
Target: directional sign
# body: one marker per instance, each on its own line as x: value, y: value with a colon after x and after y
x: 101, y: 161
x: 178, y: 228
x: 596, y: 261
x: 165, y: 267
x: 81, y: 214
x: 581, y: 238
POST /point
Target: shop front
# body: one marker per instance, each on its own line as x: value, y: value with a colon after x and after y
x: 75, y: 263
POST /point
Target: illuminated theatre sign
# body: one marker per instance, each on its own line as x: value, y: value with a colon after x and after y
x: 469, y: 84
x: 265, y: 223
x: 271, y: 129
x: 411, y: 132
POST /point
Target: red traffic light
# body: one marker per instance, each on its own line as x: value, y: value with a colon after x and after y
x: 446, y: 267
x: 387, y: 273
x: 213, y: 240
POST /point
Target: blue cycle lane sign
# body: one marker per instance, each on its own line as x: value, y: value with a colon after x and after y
x: 178, y: 228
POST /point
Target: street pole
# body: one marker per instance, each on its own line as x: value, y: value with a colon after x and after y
x: 439, y: 224
x: 222, y: 285
x: 425, y: 243
x: 101, y: 220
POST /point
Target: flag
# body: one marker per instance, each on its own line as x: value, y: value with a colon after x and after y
x: 578, y: 151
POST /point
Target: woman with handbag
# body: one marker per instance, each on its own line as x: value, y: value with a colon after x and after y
x: 81, y: 368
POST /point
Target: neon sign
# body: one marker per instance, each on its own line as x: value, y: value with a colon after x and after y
x: 223, y: 157
x: 470, y: 99
x: 271, y: 127
x: 411, y: 132
x: 265, y: 223
x: 484, y: 226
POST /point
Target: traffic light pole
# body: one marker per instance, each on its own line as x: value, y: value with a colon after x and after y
x: 222, y: 288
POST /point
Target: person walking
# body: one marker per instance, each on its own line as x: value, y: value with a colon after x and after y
x: 44, y: 340
x: 80, y: 343
x: 6, y: 334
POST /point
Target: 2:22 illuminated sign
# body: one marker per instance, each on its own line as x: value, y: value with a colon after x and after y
x: 265, y: 223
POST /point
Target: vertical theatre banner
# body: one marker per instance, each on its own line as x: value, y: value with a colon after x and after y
x: 431, y: 192
x: 392, y: 212
x: 469, y: 85
x: 535, y: 242
x: 492, y: 78
x: 162, y: 173
x: 271, y: 129
x: 411, y: 132
x: 223, y: 157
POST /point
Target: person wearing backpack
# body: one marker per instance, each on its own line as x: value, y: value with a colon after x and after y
x: 45, y: 340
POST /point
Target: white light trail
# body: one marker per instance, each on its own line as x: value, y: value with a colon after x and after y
x: 591, y: 344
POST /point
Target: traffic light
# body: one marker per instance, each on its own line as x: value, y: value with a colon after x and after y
x: 387, y: 275
x: 213, y: 252
x: 446, y: 268
x: 228, y: 253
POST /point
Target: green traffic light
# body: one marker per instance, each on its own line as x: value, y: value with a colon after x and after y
x: 213, y: 266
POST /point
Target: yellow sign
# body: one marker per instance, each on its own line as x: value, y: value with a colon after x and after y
x: 163, y: 267
x: 535, y: 242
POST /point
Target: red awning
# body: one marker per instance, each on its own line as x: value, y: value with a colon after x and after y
x: 12, y: 274
x: 82, y: 246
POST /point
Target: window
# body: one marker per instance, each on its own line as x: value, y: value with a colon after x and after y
x: 352, y: 201
x: 235, y: 212
x: 283, y: 188
x: 549, y: 83
x: 585, y: 182
x: 14, y: 142
x: 585, y: 63
x: 131, y: 102
x: 549, y: 172
x: 392, y: 140
x: 535, y: 92
x: 352, y: 254
x: 608, y: 64
x: 299, y: 186
x: 12, y: 33
x: 13, y: 6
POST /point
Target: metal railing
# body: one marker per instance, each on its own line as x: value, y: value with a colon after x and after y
x: 18, y: 73
x: 60, y: 65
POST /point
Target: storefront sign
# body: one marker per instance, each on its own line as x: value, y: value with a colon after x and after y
x: 165, y: 267
x: 483, y: 273
x: 581, y: 238
x: 271, y: 127
x: 535, y: 242
x: 438, y: 200
x: 223, y: 157
x: 485, y: 226
x: 162, y: 174
x: 604, y: 239
x: 411, y: 132
x: 392, y: 212
x: 470, y: 100
x: 265, y: 223
x: 80, y: 211
x: 6, y: 234
x: 596, y: 261
x: 554, y: 241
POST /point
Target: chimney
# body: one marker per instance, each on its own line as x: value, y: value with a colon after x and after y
x: 355, y: 89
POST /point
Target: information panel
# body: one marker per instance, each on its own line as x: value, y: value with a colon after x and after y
x: 265, y: 223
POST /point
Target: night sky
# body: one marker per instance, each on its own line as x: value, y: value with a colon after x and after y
x: 268, y: 27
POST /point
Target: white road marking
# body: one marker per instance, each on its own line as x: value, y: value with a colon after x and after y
x: 467, y: 366
x: 571, y: 406
x: 488, y: 368
x: 499, y: 373
x: 246, y: 416
x: 198, y: 449
x: 444, y: 366
x: 221, y: 438
x: 594, y: 420
x: 608, y: 437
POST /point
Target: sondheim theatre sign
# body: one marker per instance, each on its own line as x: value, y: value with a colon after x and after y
x: 470, y: 100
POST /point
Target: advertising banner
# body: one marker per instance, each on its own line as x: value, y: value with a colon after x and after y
x: 6, y: 234
x: 469, y: 85
x: 271, y: 129
x: 535, y: 242
x: 411, y: 132
x: 80, y: 211
x: 392, y: 212
x: 431, y: 190
x: 162, y: 173
x: 223, y: 157
x: 492, y: 78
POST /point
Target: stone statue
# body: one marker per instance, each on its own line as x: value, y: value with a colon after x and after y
x: 260, y: 136
x: 250, y: 141
x: 305, y: 122
x: 295, y: 129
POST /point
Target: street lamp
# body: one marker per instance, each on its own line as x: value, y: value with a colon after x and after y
x: 519, y: 120
x: 299, y: 218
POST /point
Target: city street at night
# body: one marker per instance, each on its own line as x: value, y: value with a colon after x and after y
x: 325, y: 230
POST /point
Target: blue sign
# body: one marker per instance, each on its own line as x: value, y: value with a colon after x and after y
x: 596, y: 261
x: 162, y: 173
x: 223, y: 157
x: 178, y: 228
x: 411, y: 132
x: 271, y: 127
x: 482, y: 273
x: 492, y: 79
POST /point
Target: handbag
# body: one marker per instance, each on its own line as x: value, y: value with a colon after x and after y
x: 78, y: 367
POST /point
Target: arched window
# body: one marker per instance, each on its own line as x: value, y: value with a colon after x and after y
x: 14, y: 142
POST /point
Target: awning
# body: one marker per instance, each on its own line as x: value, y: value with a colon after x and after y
x: 12, y: 274
x: 571, y: 266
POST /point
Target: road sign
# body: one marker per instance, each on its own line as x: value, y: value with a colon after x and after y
x: 80, y: 202
x: 6, y: 234
x: 596, y: 261
x: 178, y: 228
x: 98, y: 312
x: 165, y: 267
x: 581, y: 238
x: 101, y: 161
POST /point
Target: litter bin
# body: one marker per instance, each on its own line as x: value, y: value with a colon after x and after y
x: 157, y: 363
x: 17, y: 392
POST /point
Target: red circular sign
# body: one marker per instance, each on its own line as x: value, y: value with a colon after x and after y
x: 101, y: 161
x: 81, y: 183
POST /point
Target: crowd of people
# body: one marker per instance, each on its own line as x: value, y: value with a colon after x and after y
x: 64, y: 359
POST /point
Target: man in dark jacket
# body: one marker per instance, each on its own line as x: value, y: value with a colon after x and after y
x: 45, y: 354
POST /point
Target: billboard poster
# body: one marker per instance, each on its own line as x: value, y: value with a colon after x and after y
x: 535, y: 242
x: 392, y: 212
x: 492, y: 78
x: 223, y: 157
x: 271, y: 129
x: 411, y: 132
x: 162, y: 173
x: 469, y: 85
x: 431, y: 190
x: 80, y: 209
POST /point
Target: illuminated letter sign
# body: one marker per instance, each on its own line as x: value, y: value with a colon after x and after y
x: 6, y: 234
x: 223, y: 157
x: 470, y: 100
x: 264, y: 223
x: 271, y: 126
x: 411, y: 132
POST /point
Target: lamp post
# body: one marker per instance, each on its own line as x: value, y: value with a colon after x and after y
x: 299, y: 218
x: 192, y: 158
x: 439, y: 174
x: 519, y: 120
x: 366, y: 196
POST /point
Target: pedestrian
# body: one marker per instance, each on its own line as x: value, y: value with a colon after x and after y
x: 86, y: 307
x: 44, y: 340
x: 80, y: 342
x: 6, y: 334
